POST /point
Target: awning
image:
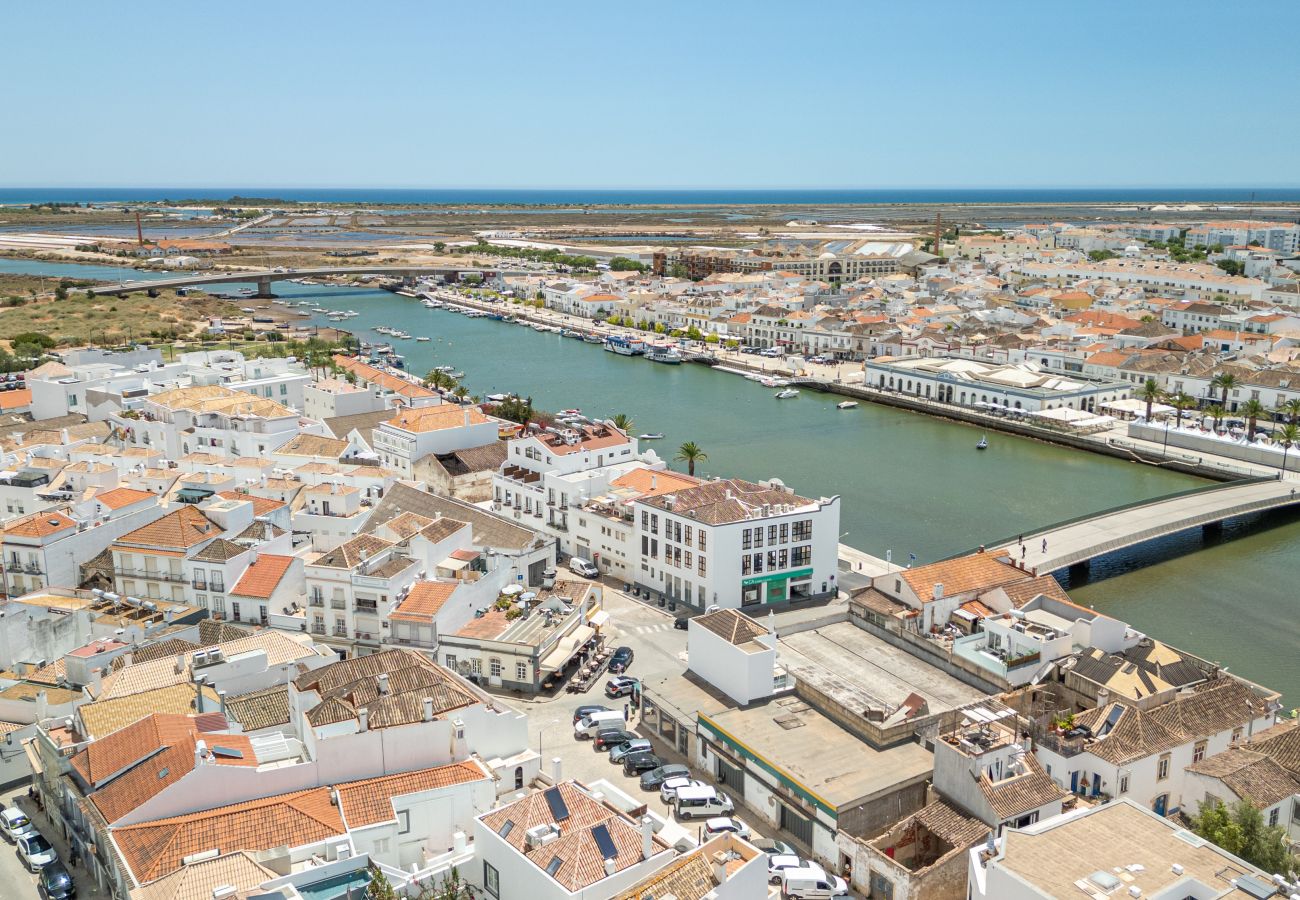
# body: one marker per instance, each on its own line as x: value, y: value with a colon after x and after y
x: 455, y: 565
x: 566, y: 648
x: 599, y: 619
x: 1136, y: 406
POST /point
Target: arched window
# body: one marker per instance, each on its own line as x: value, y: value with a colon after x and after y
x: 519, y: 777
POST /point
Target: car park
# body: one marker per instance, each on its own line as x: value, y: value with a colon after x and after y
x: 622, y: 658
x: 620, y: 686
x: 610, y: 738
x: 726, y: 825
x: 15, y: 824
x: 635, y: 763
x: 627, y: 748
x: 655, y: 777
x: 36, y: 852
x: 668, y: 790
x: 55, y: 883
x: 583, y: 711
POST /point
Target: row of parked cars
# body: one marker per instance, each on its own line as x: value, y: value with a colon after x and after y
x: 37, y: 854
x: 690, y: 799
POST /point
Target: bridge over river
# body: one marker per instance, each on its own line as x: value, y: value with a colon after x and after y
x: 1078, y: 541
x: 263, y: 277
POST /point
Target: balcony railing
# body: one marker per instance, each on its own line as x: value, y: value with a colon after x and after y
x: 317, y: 628
x: 152, y: 575
x: 340, y: 632
x: 363, y: 606
x: 316, y: 601
x: 199, y: 584
x: 338, y: 604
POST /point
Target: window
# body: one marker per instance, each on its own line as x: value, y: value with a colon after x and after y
x: 1162, y: 768
x: 1123, y: 784
x: 403, y: 821
x: 771, y: 535
x: 701, y: 567
x: 521, y: 671
x: 450, y: 662
x: 703, y: 543
x: 1198, y: 751
x: 1236, y: 735
x: 785, y: 532
x: 234, y: 610
x: 758, y: 537
x: 494, y: 667
x: 800, y: 556
x: 746, y: 565
x: 758, y: 562
x: 802, y: 530
x: 491, y: 879
x: 1272, y: 817
x: 688, y: 535
x: 217, y: 582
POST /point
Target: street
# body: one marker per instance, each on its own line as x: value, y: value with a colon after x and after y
x: 18, y: 883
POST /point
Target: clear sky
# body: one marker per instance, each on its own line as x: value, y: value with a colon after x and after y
x: 695, y: 94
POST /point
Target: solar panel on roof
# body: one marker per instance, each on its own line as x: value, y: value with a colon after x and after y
x: 604, y: 842
x: 559, y: 809
x: 228, y: 752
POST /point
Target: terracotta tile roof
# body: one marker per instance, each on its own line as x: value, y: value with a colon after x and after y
x: 352, y: 553
x: 215, y: 398
x: 486, y: 627
x: 724, y: 501
x: 261, y: 505
x: 977, y: 572
x: 347, y: 686
x: 1020, y: 794
x: 1134, y: 735
x: 370, y: 801
x: 1021, y: 592
x: 41, y: 524
x: 424, y: 600
x: 437, y: 418
x: 406, y: 524
x: 1282, y: 743
x: 123, y: 496
x: 54, y: 673
x: 107, y: 716
x: 19, y: 399
x: 177, y: 530
x: 113, y: 753
x: 263, y: 576
x: 314, y: 445
x: 220, y: 550
x: 154, y: 849
x: 1211, y: 708
x: 590, y: 438
x: 198, y: 880
x: 280, y: 648
x: 1250, y: 775
x: 650, y: 482
x: 256, y: 710
x: 732, y: 626
x: 442, y: 529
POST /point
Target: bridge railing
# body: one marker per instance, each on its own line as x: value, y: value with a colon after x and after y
x: 1123, y: 507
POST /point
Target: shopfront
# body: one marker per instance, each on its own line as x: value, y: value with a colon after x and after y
x: 776, y: 587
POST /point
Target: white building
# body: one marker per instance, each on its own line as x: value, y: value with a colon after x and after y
x: 978, y: 384
x: 414, y: 434
x: 1280, y: 236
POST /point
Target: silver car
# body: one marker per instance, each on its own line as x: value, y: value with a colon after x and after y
x: 668, y: 790
x: 36, y: 852
x: 640, y: 745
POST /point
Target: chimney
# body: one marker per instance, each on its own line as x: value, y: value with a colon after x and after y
x: 180, y: 663
x: 363, y: 719
x: 938, y: 590
x: 611, y: 866
x: 654, y: 481
x: 719, y: 867
x: 428, y: 709
x: 647, y: 837
x: 334, y: 487
x: 96, y: 681
x: 467, y: 417
x: 382, y: 682
x: 200, y: 751
x: 1103, y: 697
x: 221, y: 696
x: 557, y: 769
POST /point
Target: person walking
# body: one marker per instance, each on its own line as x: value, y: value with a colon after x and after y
x: 1044, y: 545
x: 1022, y: 552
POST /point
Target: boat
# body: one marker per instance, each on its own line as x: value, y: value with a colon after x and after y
x: 456, y: 374
x: 423, y: 339
x: 447, y: 369
x: 510, y: 320
x: 570, y: 333
x: 755, y: 376
x: 624, y: 346
x: 983, y: 444
x: 786, y: 394
x: 667, y: 355
x: 498, y: 398
x: 652, y: 436
x: 571, y: 412
x: 593, y: 339
x: 847, y: 404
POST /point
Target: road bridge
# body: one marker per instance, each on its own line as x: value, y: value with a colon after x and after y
x: 263, y: 277
x: 1078, y: 541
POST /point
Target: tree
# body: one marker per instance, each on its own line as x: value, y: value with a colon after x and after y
x: 1252, y: 409
x: 439, y: 246
x: 1214, y: 411
x: 1241, y: 831
x: 460, y: 392
x: 60, y: 293
x: 711, y: 338
x: 690, y: 453
x: 623, y: 264
x: 1150, y: 392
x: 1181, y: 401
x: 450, y: 887
x: 1288, y: 436
x: 622, y: 421
x: 514, y: 409
x: 1290, y: 409
x: 1231, y: 266
x: 678, y: 270
x: 694, y: 334
x: 379, y: 888
x: 1224, y: 381
x: 1100, y: 255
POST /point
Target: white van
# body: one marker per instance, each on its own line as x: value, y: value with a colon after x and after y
x: 587, y: 728
x: 702, y: 803
x: 583, y: 567
x: 812, y: 883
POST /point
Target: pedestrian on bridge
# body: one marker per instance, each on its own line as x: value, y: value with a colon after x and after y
x: 1044, y: 545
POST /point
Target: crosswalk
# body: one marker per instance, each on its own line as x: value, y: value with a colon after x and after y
x: 651, y: 629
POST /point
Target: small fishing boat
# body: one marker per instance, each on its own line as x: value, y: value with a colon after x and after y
x: 847, y: 404
x: 571, y: 412
x: 652, y: 436
x: 983, y: 444
x: 592, y: 339
x: 423, y: 339
x: 667, y: 355
x: 786, y: 394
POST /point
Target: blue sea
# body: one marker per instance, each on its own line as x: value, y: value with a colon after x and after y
x: 740, y: 196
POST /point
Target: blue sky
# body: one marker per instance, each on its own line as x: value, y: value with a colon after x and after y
x: 755, y: 94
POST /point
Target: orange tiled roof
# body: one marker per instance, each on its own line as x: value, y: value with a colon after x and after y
x: 262, y: 577
x: 120, y: 497
x: 437, y: 418
x: 41, y: 524
x: 16, y: 399
x: 370, y: 801
x: 979, y: 571
x: 650, y: 482
x: 424, y: 601
x: 177, y: 530
x: 261, y: 505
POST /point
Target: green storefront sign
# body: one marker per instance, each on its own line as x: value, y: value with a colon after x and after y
x: 776, y: 583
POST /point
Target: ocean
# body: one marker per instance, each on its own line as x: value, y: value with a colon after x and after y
x: 731, y: 197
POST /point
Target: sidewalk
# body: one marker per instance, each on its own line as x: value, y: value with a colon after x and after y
x: 16, y: 881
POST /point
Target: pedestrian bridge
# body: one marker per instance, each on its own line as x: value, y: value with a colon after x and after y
x: 263, y: 277
x: 1078, y: 541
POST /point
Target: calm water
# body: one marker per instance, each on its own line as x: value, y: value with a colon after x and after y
x: 908, y: 482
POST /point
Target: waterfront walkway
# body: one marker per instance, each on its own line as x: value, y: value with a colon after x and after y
x: 1078, y: 541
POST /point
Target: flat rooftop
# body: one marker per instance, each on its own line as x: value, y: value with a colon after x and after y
x: 820, y: 756
x: 871, y: 669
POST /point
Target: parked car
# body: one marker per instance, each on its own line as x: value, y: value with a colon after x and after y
x: 724, y: 825
x: 55, y: 883
x: 779, y: 863
x: 584, y: 567
x: 640, y: 762
x: 637, y: 745
x: 622, y: 658
x: 15, y: 824
x: 583, y: 711
x: 620, y: 686
x: 655, y: 777
x: 668, y: 790
x: 36, y: 852
x: 596, y: 722
x: 812, y: 883
x: 682, y: 622
x: 610, y: 738
x: 774, y: 847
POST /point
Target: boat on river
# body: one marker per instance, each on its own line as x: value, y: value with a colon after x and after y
x: 624, y: 346
x: 847, y: 404
x: 666, y: 355
x: 593, y: 339
x: 786, y: 394
x: 983, y: 444
x: 652, y: 436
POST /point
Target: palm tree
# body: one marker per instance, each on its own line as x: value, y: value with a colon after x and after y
x: 1181, y: 401
x: 690, y: 453
x: 1216, y: 411
x: 461, y: 392
x: 1150, y: 392
x: 1290, y: 409
x: 1288, y: 436
x: 1252, y: 409
x: 622, y: 421
x: 1225, y: 381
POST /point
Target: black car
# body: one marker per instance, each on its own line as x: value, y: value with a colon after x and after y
x: 55, y: 883
x: 583, y: 711
x: 682, y: 622
x: 640, y: 762
x: 609, y: 739
x: 651, y: 780
x: 621, y: 659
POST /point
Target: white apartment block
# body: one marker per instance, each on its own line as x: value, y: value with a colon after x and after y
x: 1281, y: 236
x: 413, y: 435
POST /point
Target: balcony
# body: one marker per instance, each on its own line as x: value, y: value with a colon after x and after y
x: 317, y: 628
x: 523, y: 476
x: 414, y: 642
x: 340, y: 631
x: 338, y: 604
x: 199, y: 584
x: 366, y: 606
x: 153, y: 575
x: 316, y: 600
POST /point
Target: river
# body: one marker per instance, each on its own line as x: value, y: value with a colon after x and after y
x: 909, y: 483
